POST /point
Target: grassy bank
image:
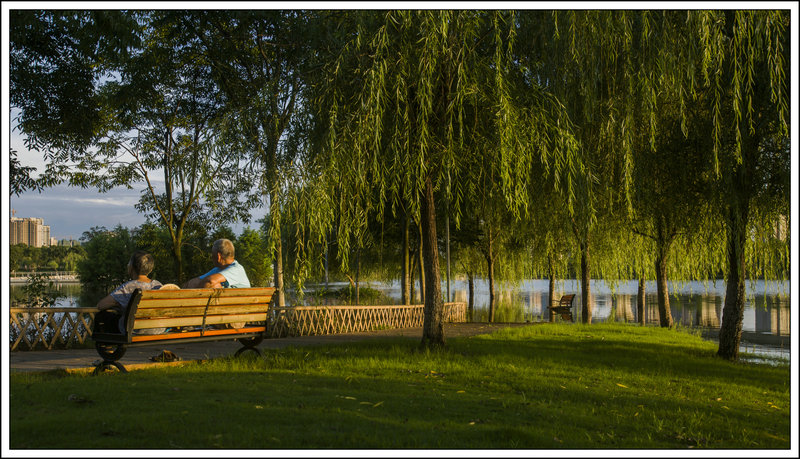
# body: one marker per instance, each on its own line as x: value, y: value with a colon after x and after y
x: 548, y: 386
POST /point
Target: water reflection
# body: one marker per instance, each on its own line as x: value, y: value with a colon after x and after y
x: 692, y: 305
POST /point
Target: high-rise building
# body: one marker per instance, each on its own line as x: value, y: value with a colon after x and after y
x: 29, y: 231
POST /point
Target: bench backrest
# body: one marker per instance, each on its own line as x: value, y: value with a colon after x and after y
x: 566, y: 300
x: 197, y: 307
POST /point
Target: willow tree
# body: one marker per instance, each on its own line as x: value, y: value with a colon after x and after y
x: 607, y: 67
x: 673, y: 192
x: 401, y: 100
x: 586, y: 60
x: 745, y: 62
x: 735, y: 61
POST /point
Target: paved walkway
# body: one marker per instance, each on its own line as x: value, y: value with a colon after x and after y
x: 138, y: 357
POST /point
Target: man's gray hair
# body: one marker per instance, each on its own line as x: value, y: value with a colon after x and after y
x: 223, y: 247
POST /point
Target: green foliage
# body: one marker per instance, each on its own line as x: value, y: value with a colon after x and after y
x: 39, y: 292
x: 142, y: 106
x: 252, y: 253
x: 347, y: 295
x: 23, y: 257
x: 544, y: 132
x: 107, y: 256
x: 540, y: 387
x: 428, y: 84
x: 56, y: 58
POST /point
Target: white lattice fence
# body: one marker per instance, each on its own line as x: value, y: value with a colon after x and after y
x: 49, y: 328
x: 326, y: 320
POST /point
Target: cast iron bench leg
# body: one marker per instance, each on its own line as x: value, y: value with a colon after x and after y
x: 108, y: 365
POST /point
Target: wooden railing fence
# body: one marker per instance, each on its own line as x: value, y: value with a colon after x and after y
x: 327, y: 320
x: 65, y: 327
x: 49, y: 328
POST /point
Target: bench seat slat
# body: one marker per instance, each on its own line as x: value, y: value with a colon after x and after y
x: 151, y: 313
x: 174, y: 302
x: 198, y: 320
x: 197, y: 334
x: 207, y: 292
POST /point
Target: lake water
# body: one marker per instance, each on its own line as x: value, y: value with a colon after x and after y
x: 693, y: 304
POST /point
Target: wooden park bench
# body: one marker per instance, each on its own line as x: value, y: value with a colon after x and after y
x: 563, y: 307
x: 189, y: 315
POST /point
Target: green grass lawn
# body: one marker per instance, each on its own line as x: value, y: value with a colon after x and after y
x: 547, y: 386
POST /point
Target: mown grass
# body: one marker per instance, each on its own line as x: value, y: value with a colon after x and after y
x: 547, y: 386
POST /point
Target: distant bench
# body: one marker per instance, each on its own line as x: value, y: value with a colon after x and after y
x: 564, y: 307
x: 189, y: 315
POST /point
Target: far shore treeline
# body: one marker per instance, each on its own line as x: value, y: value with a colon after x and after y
x: 412, y: 145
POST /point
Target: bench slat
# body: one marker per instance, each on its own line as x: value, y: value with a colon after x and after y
x: 198, y: 320
x: 151, y: 313
x: 205, y: 292
x: 175, y: 302
x: 197, y: 334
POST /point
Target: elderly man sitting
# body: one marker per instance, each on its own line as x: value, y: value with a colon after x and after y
x: 227, y: 272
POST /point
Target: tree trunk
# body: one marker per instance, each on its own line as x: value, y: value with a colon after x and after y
x: 277, y: 266
x: 551, y: 286
x: 471, y: 301
x: 433, y: 323
x: 327, y: 252
x: 422, y: 261
x: 176, y: 252
x: 586, y: 294
x: 447, y: 252
x: 278, y: 262
x: 730, y: 333
x: 406, y: 256
x: 412, y: 294
x: 490, y: 272
x: 358, y: 273
x: 641, y: 301
x: 662, y: 289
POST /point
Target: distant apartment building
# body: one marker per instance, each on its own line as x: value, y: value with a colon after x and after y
x: 29, y: 231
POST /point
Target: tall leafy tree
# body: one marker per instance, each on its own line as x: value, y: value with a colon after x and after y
x: 258, y: 59
x: 672, y: 194
x: 146, y: 112
x: 746, y: 55
x: 579, y: 56
x: 736, y: 61
x: 400, y: 96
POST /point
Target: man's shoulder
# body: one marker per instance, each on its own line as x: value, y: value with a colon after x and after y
x: 235, y: 265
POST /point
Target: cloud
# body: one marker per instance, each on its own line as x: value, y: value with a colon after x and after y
x: 111, y: 201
